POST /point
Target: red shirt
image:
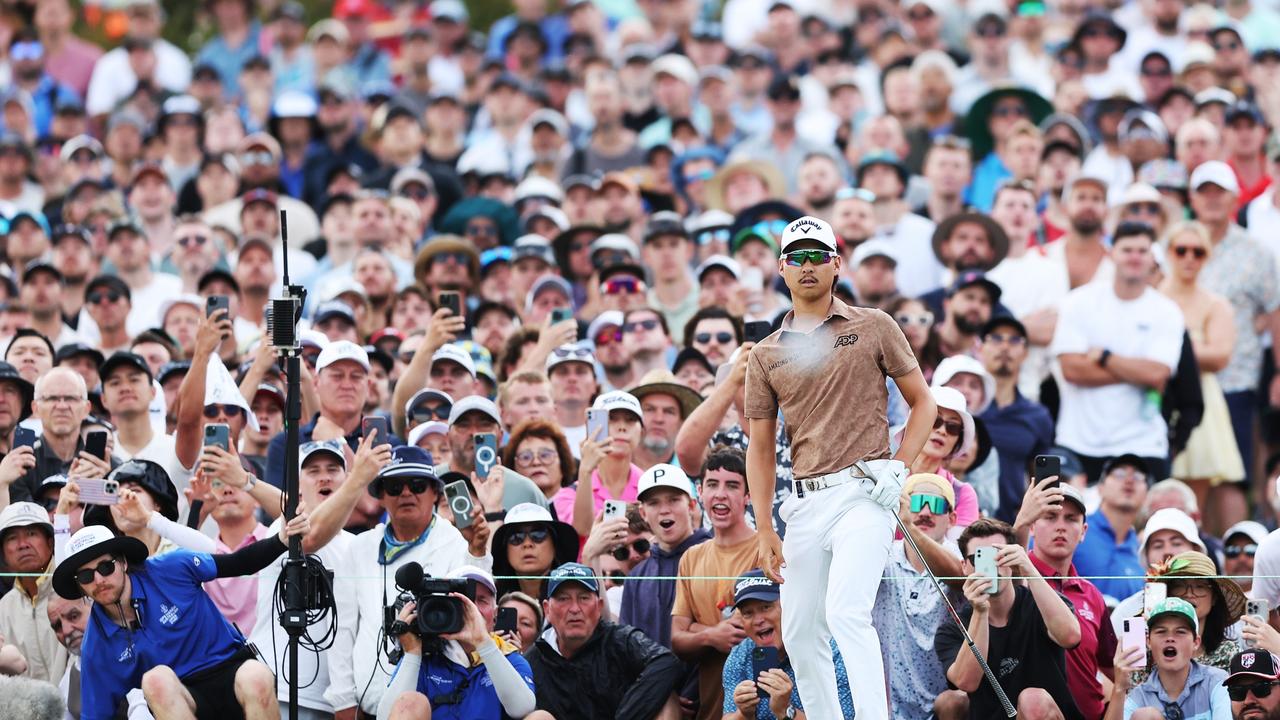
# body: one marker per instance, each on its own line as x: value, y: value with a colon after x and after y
x: 1097, y: 639
x: 1248, y: 194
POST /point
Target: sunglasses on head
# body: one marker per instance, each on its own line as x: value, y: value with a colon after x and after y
x: 720, y: 337
x: 106, y: 568
x: 214, y: 410
x: 1198, y: 252
x: 951, y: 426
x: 538, y: 535
x: 96, y: 298
x: 1260, y: 690
x: 426, y: 413
x: 1235, y: 551
x: 797, y: 258
x: 623, y: 553
x: 936, y: 503
x: 396, y: 486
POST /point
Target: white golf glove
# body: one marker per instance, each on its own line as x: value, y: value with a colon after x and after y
x: 889, y: 480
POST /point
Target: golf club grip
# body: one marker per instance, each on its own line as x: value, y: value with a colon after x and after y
x: 991, y: 678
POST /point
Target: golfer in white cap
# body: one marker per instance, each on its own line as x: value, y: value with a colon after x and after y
x: 825, y: 371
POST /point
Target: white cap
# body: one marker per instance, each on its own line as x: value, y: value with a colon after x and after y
x: 572, y: 352
x: 710, y: 219
x: 340, y: 350
x: 471, y: 572
x: 874, y: 248
x: 809, y: 228
x: 664, y: 475
x: 1170, y: 519
x: 1139, y: 192
x: 720, y: 261
x: 616, y: 241
x: 22, y: 514
x: 1217, y: 173
x: 453, y: 353
x: 677, y: 66
x: 1255, y: 531
x: 435, y: 427
x: 314, y: 338
x: 547, y: 116
x: 474, y: 402
x: 619, y: 400
x: 957, y: 364
x: 293, y: 104
x: 538, y: 186
x: 608, y: 318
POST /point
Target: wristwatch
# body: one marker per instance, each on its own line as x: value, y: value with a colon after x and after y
x: 791, y: 712
x: 1102, y: 359
x: 250, y: 481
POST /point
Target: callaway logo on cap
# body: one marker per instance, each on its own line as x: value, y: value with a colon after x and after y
x: 809, y: 228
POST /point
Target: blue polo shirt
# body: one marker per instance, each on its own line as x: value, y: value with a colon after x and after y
x: 439, y: 676
x: 1019, y: 431
x: 1100, y: 555
x: 180, y: 628
x: 737, y: 667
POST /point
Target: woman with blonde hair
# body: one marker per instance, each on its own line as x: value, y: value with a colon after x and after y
x: 1210, y: 463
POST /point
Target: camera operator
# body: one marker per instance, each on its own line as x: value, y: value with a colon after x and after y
x: 476, y: 675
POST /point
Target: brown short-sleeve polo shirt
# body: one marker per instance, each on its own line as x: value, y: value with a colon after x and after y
x: 830, y: 386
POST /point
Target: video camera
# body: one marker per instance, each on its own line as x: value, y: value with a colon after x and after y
x: 438, y: 613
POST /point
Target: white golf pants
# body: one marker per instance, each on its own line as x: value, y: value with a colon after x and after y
x: 836, y: 547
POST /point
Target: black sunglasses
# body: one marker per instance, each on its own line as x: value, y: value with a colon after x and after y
x: 214, y: 410
x: 395, y: 486
x: 425, y: 413
x: 1235, y: 551
x: 1259, y: 689
x: 107, y: 568
x: 721, y: 337
x: 538, y: 535
x: 96, y: 298
x: 623, y: 553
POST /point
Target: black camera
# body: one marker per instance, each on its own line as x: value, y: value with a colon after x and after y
x: 438, y: 612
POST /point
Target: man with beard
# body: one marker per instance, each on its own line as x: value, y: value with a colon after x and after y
x: 819, y: 179
x: 1080, y: 253
x: 373, y: 269
x: 967, y: 308
x: 1020, y: 428
x: 907, y: 612
x: 665, y: 404
x: 1118, y: 343
x: 42, y: 291
x: 69, y: 620
x: 964, y: 242
x: 1254, y: 676
x: 613, y: 355
x: 853, y: 215
x: 341, y: 146
x: 874, y: 274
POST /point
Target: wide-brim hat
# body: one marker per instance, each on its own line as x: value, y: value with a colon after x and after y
x: 90, y: 542
x: 9, y: 373
x: 975, y: 121
x: 768, y: 172
x: 995, y: 234
x: 1196, y: 564
x: 663, y: 382
x: 445, y: 244
x: 152, y: 478
x: 563, y: 537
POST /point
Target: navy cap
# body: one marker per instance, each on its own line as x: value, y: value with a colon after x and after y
x: 753, y: 585
x: 969, y: 278
x: 124, y: 359
x: 75, y: 349
x: 333, y: 309
x: 172, y: 367
x: 572, y: 572
x: 407, y: 461
x: 1244, y: 109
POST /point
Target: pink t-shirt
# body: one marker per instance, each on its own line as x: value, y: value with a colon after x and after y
x: 563, y: 501
x: 966, y: 501
x: 237, y: 597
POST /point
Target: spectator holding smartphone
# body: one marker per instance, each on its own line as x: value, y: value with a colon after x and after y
x: 1179, y: 686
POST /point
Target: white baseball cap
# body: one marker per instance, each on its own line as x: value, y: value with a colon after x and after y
x: 809, y: 228
x: 453, y: 353
x: 664, y: 475
x: 608, y: 318
x: 23, y: 514
x: 724, y: 262
x: 874, y: 248
x: 435, y: 427
x: 619, y: 400
x: 477, y: 403
x: 1170, y: 519
x: 1215, y: 172
x: 340, y: 350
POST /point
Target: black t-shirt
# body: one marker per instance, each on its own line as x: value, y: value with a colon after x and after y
x: 1021, y: 654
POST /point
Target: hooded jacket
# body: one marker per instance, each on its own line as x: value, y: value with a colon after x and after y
x: 647, y: 605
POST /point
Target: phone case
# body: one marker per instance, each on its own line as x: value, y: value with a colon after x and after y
x: 94, y: 491
x: 597, y: 425
x: 486, y: 446
x: 96, y: 443
x: 614, y: 509
x: 984, y: 563
x: 1153, y: 593
x: 1135, y: 634
x: 459, y: 503
x: 506, y: 621
x: 762, y: 659
x: 219, y: 435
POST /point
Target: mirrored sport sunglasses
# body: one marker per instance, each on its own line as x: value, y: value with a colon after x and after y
x: 797, y: 258
x: 936, y: 503
x: 1235, y: 551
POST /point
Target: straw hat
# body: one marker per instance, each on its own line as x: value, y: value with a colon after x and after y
x: 1197, y: 564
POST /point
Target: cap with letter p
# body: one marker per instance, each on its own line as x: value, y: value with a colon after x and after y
x: 754, y: 585
x: 663, y: 475
x: 809, y: 228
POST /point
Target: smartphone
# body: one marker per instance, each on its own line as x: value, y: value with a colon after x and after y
x: 24, y: 437
x: 218, y: 434
x: 597, y: 424
x: 614, y: 509
x: 459, y: 497
x: 561, y: 314
x: 506, y: 620
x: 984, y: 563
x: 486, y: 446
x: 762, y: 659
x: 1153, y: 593
x: 452, y: 301
x: 1047, y: 466
x: 1135, y: 634
x: 95, y: 443
x: 99, y: 492
x: 370, y: 423
x: 215, y: 303
x: 757, y: 330
x: 1259, y: 609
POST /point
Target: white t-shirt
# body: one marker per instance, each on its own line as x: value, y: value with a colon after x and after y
x: 1119, y: 418
x: 918, y: 270
x: 146, y: 302
x: 575, y: 435
x: 1030, y: 283
x: 1264, y: 217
